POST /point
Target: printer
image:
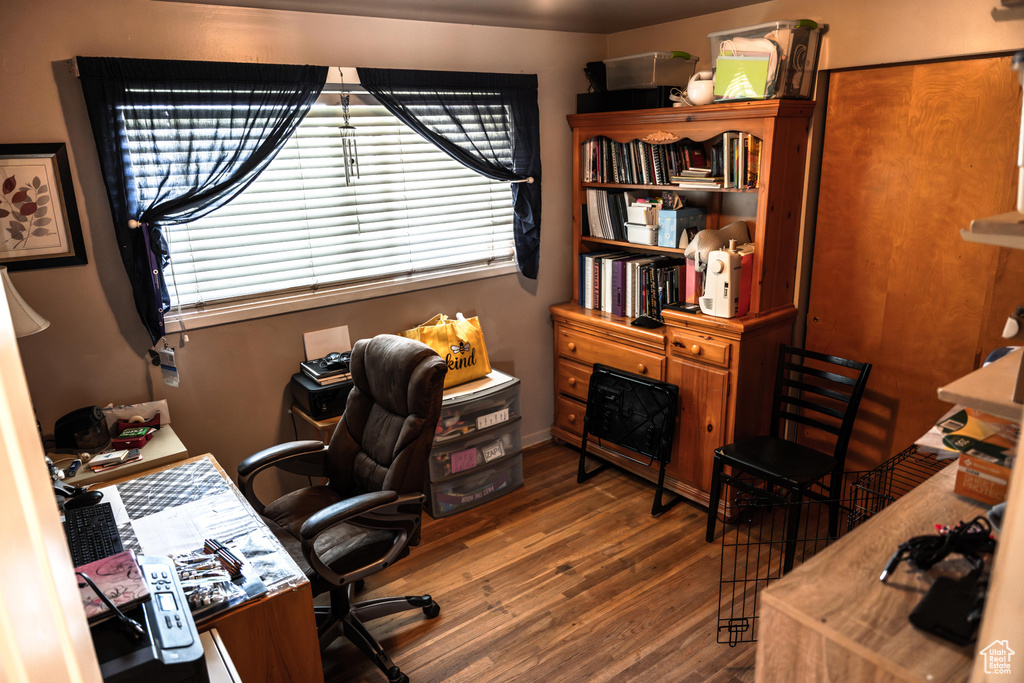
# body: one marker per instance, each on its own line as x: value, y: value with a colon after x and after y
x: 320, y: 401
x: 170, y: 650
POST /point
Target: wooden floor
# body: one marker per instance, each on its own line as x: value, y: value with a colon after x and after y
x: 557, y: 581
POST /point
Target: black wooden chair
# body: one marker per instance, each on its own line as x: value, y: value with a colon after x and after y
x: 635, y: 413
x: 818, y: 395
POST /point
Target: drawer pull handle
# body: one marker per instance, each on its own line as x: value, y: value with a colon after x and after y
x: 572, y: 346
x: 695, y: 350
x: 572, y: 381
x: 572, y: 418
x: 641, y: 369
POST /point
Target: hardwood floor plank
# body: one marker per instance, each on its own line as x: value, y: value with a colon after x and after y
x: 557, y: 581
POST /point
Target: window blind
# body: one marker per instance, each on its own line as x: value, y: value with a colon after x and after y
x: 412, y: 210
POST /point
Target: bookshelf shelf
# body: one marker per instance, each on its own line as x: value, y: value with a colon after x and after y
x: 717, y: 363
x: 671, y: 188
x: 601, y: 243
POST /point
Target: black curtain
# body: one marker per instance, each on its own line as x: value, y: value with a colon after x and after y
x: 179, y: 139
x: 487, y: 122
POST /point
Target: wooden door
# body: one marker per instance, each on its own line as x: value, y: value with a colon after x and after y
x: 911, y: 155
x: 701, y: 422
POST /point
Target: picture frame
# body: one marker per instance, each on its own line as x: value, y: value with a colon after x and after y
x: 39, y: 223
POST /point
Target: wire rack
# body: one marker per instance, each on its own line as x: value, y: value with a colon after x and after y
x: 754, y: 545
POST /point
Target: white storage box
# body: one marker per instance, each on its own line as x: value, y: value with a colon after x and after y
x: 478, y: 449
x: 642, y: 234
x: 649, y: 70
x: 778, y: 59
x: 479, y: 486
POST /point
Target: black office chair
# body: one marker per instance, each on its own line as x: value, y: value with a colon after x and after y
x: 813, y: 391
x: 367, y: 514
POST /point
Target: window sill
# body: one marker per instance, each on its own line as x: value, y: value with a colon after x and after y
x: 251, y: 309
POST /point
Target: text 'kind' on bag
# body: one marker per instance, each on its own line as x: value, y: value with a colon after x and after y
x: 460, y: 342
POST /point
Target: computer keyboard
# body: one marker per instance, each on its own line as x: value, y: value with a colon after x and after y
x: 92, y: 533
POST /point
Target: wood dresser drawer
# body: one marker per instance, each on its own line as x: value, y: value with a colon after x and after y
x: 699, y: 347
x: 587, y: 349
x: 569, y: 414
x: 572, y: 379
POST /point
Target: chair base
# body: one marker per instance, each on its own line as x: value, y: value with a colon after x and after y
x: 346, y: 618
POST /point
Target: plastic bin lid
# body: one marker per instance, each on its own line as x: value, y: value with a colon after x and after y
x: 490, y: 383
x: 656, y: 55
x: 771, y: 25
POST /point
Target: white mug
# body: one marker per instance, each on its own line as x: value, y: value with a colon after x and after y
x: 701, y: 92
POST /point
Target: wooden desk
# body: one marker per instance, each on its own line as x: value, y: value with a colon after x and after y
x: 272, y: 638
x: 831, y: 619
x: 163, y: 449
x: 324, y: 427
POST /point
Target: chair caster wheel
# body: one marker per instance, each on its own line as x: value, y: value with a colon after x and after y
x: 396, y: 676
x: 432, y: 610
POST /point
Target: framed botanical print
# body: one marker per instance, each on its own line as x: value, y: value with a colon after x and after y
x: 39, y: 225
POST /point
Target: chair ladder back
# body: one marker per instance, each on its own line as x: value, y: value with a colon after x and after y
x: 793, y: 390
x: 806, y: 416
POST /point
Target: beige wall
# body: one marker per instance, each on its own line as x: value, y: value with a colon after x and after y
x: 233, y: 395
x: 863, y: 32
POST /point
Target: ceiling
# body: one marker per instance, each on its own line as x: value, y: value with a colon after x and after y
x: 582, y: 16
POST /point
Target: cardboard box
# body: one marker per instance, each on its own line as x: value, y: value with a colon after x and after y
x: 982, y: 478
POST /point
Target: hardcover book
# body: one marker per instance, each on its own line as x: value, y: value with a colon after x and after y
x: 120, y: 579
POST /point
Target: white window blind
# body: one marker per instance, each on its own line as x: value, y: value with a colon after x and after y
x: 413, y: 213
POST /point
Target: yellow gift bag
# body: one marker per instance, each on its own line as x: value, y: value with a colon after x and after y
x: 460, y: 342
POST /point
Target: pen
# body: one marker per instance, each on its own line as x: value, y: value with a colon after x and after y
x: 228, y: 559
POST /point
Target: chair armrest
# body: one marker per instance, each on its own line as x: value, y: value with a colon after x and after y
x: 343, y: 511
x: 299, y: 457
x: 377, y: 510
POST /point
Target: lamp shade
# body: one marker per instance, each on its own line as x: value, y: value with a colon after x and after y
x: 26, y: 321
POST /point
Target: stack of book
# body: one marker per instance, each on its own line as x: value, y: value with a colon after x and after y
x: 697, y: 179
x: 107, y: 461
x: 324, y: 374
x: 631, y: 285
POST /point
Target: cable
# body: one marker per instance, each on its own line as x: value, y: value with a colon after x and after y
x: 132, y: 627
x: 969, y: 539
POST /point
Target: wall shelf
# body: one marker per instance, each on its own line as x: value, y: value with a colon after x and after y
x: 1004, y: 230
x: 989, y: 388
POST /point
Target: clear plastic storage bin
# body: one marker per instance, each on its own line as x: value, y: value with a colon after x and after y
x: 478, y: 449
x: 477, y: 405
x: 649, y: 70
x: 776, y: 60
x: 479, y: 486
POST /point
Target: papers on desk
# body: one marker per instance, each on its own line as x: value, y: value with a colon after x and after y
x: 173, y: 511
x: 931, y: 441
x: 183, y: 528
x: 966, y: 430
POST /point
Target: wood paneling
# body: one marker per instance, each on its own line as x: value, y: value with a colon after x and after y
x: 557, y: 581
x: 911, y: 155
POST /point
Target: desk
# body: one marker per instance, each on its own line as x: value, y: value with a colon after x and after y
x: 272, y: 638
x: 162, y: 449
x: 831, y: 619
x: 324, y: 427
